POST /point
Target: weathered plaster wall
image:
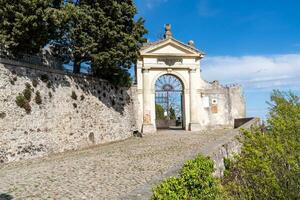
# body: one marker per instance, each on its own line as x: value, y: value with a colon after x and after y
x: 102, y: 113
x: 229, y: 105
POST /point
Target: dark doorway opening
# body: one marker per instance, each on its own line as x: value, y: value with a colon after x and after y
x: 169, y: 103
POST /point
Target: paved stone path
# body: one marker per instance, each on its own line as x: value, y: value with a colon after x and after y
x: 112, y: 171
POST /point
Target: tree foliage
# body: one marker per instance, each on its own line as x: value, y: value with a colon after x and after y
x: 103, y: 33
x: 269, y: 164
x: 172, y: 113
x: 106, y: 34
x: 159, y: 112
x: 26, y: 26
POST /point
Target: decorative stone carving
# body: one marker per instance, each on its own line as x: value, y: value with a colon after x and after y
x: 169, y: 61
x: 168, y: 33
x: 191, y: 43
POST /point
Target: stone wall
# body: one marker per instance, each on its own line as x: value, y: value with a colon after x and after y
x: 229, y: 148
x: 225, y: 104
x: 75, y: 112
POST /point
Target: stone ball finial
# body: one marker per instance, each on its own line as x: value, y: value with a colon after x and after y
x: 168, y: 33
x: 191, y: 43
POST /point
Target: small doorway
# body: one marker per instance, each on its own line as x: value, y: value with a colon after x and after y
x: 169, y: 99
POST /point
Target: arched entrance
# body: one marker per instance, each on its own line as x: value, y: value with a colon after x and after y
x: 169, y: 102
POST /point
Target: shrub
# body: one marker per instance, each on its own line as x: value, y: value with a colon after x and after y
x: 75, y: 105
x: 50, y: 95
x: 38, y: 99
x: 74, y: 95
x: 35, y: 83
x: 268, y: 166
x: 27, y: 93
x: 195, y: 182
x: 27, y: 85
x: 27, y: 107
x: 12, y: 81
x: 22, y: 102
x: 2, y: 115
x: 49, y: 84
x: 172, y: 188
x: 44, y: 78
x: 82, y: 97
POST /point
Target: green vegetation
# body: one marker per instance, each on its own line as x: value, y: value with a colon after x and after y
x: 27, y: 25
x: 12, y: 81
x: 103, y: 33
x: 74, y: 95
x: 82, y: 97
x: 159, y: 112
x: 44, y: 78
x: 195, y: 181
x: 75, y: 105
x: 35, y: 83
x: 268, y: 166
x: 172, y: 113
x: 49, y: 84
x: 38, y: 98
x: 2, y: 115
x: 27, y: 92
x: 22, y: 102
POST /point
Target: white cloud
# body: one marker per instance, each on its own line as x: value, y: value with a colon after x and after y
x: 255, y: 72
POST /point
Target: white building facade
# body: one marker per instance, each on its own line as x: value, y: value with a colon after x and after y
x: 204, y: 105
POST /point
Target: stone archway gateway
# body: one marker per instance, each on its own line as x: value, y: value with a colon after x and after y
x: 169, y: 105
x: 204, y: 105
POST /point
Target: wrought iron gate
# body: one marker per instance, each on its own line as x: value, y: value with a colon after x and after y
x: 169, y: 102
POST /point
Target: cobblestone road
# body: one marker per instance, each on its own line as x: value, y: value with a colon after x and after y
x: 109, y: 171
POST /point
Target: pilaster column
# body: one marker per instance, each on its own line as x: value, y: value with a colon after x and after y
x: 194, y: 121
x: 148, y: 126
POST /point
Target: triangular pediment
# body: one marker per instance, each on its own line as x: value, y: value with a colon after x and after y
x: 170, y: 47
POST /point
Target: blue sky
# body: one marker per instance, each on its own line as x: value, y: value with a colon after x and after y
x: 254, y: 43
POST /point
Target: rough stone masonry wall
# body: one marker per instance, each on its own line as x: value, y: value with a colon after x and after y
x: 228, y: 147
x: 101, y: 113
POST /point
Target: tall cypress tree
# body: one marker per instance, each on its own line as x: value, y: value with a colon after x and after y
x: 119, y: 39
x: 25, y: 25
x: 105, y: 33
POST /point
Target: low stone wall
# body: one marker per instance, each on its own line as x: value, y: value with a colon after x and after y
x: 227, y: 149
x: 74, y: 112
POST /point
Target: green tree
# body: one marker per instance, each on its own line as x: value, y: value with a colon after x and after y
x: 159, y: 112
x: 119, y: 39
x: 26, y: 26
x: 172, y: 113
x: 269, y: 164
x: 105, y: 33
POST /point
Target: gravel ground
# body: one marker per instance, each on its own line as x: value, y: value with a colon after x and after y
x: 111, y: 171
